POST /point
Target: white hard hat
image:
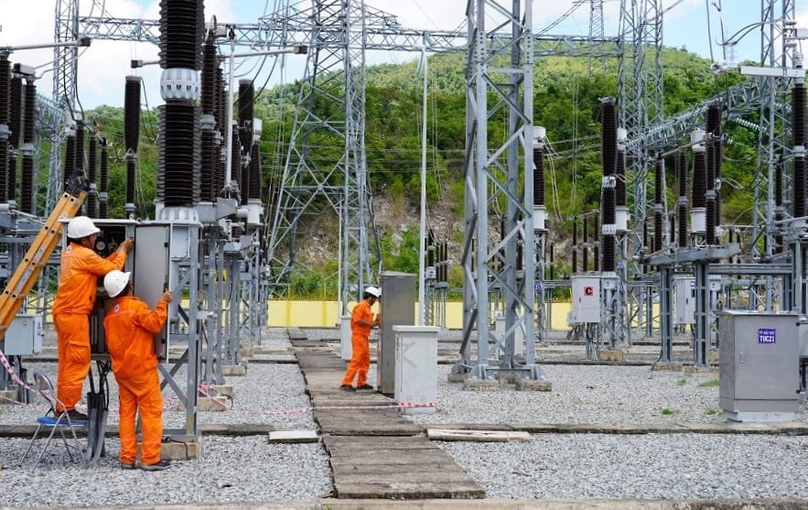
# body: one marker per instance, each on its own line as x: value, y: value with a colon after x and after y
x: 81, y: 226
x: 373, y: 291
x: 115, y: 282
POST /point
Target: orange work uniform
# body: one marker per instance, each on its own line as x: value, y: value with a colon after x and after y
x: 360, y: 358
x: 78, y: 280
x: 129, y: 327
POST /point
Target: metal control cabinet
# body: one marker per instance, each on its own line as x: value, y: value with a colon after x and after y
x: 585, y: 299
x: 152, y: 252
x: 397, y: 309
x: 758, y: 365
x: 24, y: 335
x: 684, y: 288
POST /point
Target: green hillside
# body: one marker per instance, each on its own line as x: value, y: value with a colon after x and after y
x: 566, y: 99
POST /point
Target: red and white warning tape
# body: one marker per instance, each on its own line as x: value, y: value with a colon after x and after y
x: 173, y: 402
x: 12, y: 373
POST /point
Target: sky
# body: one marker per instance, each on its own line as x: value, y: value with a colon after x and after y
x: 104, y: 65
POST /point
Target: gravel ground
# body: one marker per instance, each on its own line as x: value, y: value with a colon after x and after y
x: 647, y: 466
x: 650, y: 466
x: 260, y: 398
x: 596, y: 394
x: 230, y: 470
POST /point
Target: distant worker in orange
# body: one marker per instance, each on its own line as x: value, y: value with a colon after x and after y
x: 130, y: 327
x: 362, y: 322
x: 78, y: 279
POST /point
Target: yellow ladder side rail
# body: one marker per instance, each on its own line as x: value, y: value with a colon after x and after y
x: 37, y: 256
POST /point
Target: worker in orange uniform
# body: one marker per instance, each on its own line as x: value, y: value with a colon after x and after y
x: 78, y: 281
x: 129, y: 328
x: 362, y: 322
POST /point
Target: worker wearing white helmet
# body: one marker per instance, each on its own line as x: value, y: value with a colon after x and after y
x: 78, y: 280
x: 130, y: 327
x: 362, y: 322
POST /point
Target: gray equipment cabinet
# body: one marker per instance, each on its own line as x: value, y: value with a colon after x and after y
x: 397, y: 309
x: 759, y: 365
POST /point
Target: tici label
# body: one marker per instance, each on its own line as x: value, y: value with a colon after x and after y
x: 767, y: 335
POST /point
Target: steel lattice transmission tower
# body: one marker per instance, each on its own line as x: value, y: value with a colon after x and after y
x: 774, y: 118
x: 330, y: 117
x: 499, y: 169
x: 595, y: 26
x: 66, y: 28
x: 65, y: 67
x: 640, y: 105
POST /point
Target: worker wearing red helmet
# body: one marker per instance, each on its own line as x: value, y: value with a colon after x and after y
x: 78, y: 280
x: 362, y: 322
x: 129, y: 329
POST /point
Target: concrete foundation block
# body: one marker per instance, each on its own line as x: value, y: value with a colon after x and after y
x: 246, y: 352
x: 212, y: 404
x: 7, y: 397
x: 667, y: 366
x: 177, y: 450
x: 234, y: 370
x: 244, y: 363
x: 480, y: 385
x: 209, y: 404
x: 506, y: 377
x: 712, y: 356
x: 225, y: 390
x: 531, y: 385
x: 610, y: 355
x: 186, y: 450
x: 457, y: 377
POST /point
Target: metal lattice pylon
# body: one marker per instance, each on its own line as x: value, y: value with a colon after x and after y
x: 640, y: 105
x: 66, y: 28
x: 325, y: 167
x: 501, y: 73
x: 595, y: 27
x: 773, y: 125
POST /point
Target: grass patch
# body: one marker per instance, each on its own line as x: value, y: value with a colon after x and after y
x: 668, y: 412
x: 712, y: 411
x: 712, y: 383
x: 681, y: 382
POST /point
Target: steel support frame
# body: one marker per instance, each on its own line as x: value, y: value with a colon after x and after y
x: 232, y: 311
x: 542, y: 325
x: 494, y: 173
x: 211, y: 326
x: 666, y: 312
x: 185, y: 276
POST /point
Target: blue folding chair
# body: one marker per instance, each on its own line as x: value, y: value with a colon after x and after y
x: 53, y: 420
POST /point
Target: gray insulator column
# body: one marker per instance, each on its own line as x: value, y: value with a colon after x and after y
x: 713, y: 155
x: 181, y: 35
x: 103, y: 180
x: 28, y: 148
x: 92, y: 170
x: 131, y: 130
x: 15, y: 135
x: 609, y: 195
x: 5, y: 77
x: 659, y: 189
x: 682, y: 201
x: 798, y: 140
